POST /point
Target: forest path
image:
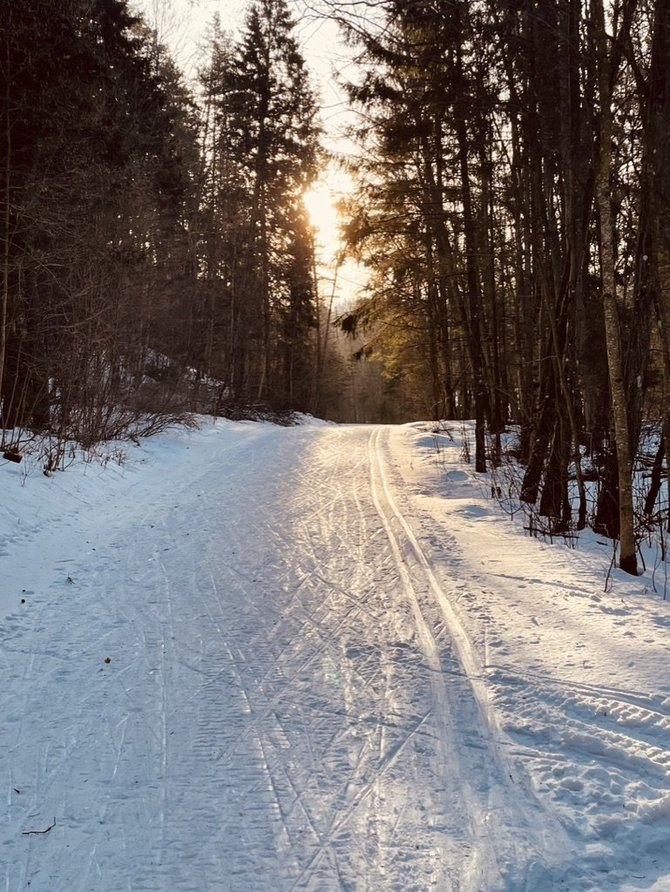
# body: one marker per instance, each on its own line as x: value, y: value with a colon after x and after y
x: 290, y: 701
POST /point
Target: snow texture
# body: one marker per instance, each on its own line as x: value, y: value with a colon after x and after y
x: 254, y: 658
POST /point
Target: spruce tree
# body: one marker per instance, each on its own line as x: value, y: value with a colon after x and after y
x: 266, y: 145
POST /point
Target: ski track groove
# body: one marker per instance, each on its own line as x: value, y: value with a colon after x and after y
x: 446, y: 730
x: 412, y: 561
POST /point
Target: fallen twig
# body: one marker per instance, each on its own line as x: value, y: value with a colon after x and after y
x: 38, y: 832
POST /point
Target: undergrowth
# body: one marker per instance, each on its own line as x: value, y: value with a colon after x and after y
x: 651, y: 515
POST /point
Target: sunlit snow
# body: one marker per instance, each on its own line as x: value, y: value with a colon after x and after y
x: 256, y: 658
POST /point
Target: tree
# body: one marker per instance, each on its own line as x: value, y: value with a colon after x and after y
x: 432, y: 106
x: 97, y: 134
x: 263, y: 143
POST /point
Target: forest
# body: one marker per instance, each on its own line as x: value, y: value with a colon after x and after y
x: 511, y: 209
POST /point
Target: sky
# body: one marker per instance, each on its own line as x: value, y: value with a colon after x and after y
x: 183, y: 25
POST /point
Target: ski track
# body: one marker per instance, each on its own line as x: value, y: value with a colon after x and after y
x: 291, y: 701
x: 595, y: 754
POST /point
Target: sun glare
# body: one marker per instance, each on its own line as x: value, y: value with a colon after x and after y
x: 341, y: 276
x: 320, y: 204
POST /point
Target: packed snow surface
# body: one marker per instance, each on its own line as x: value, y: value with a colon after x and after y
x: 262, y: 659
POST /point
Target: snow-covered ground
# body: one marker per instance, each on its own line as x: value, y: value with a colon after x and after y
x: 254, y: 658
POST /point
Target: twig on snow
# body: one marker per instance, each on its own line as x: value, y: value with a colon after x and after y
x: 39, y: 832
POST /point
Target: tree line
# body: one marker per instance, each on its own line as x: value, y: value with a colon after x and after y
x: 156, y: 254
x: 514, y: 214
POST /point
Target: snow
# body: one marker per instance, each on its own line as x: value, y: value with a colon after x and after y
x: 256, y: 658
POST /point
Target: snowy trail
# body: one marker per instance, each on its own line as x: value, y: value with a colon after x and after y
x: 510, y: 851
x: 274, y: 714
x: 292, y: 700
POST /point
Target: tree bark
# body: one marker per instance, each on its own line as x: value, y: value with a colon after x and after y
x: 627, y: 551
x: 4, y: 308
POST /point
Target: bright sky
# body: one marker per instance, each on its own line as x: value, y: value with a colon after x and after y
x: 183, y: 24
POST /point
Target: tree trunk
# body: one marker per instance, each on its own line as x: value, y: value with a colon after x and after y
x: 473, y: 302
x: 6, y: 238
x: 627, y: 551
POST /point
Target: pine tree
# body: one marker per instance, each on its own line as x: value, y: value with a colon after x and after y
x: 265, y: 116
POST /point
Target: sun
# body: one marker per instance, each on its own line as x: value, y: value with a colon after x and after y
x: 320, y: 202
x: 338, y: 275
